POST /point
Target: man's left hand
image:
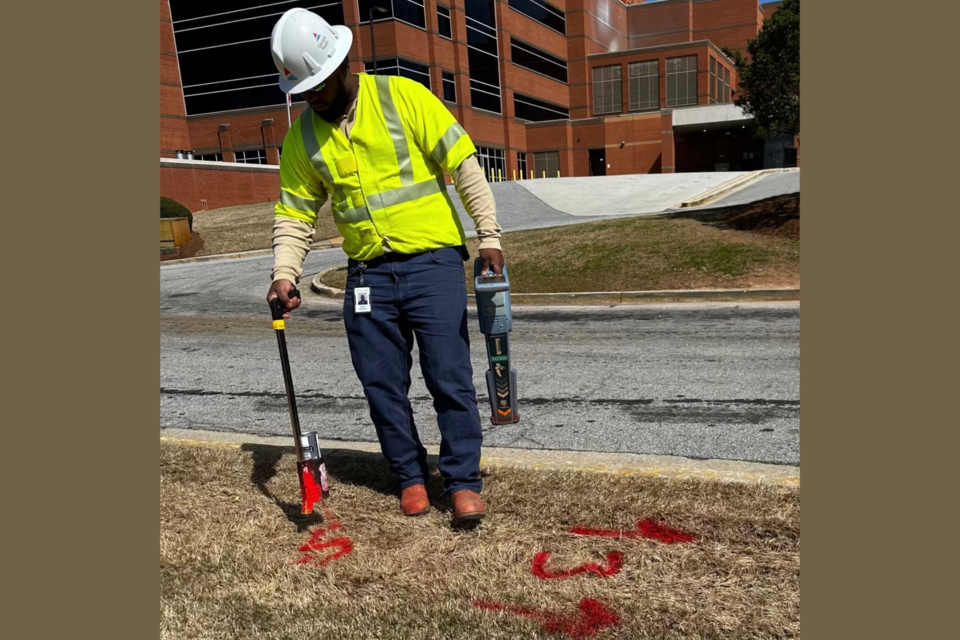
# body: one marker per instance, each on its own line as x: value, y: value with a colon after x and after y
x: 491, y: 259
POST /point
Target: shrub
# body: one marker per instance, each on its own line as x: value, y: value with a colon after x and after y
x: 170, y: 208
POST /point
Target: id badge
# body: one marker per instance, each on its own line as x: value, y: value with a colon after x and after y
x: 361, y: 300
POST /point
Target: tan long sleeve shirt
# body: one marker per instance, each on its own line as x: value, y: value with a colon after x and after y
x: 292, y: 238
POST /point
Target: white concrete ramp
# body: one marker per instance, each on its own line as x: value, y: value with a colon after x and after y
x: 626, y: 194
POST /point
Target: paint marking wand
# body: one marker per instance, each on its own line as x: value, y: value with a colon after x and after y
x: 310, y: 468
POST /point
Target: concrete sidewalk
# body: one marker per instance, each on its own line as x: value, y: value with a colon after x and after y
x: 629, y: 464
x: 637, y: 194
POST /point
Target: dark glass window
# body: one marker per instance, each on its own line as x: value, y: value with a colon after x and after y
x: 223, y: 47
x: 681, y: 81
x: 607, y: 89
x: 253, y: 156
x: 493, y: 163
x: 401, y: 67
x: 443, y: 21
x: 482, y: 55
x: 409, y: 11
x: 536, y: 60
x: 644, y: 85
x: 522, y: 165
x: 527, y: 108
x: 546, y: 164
x: 449, y: 87
x: 542, y: 12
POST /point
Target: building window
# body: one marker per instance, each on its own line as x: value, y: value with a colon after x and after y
x: 681, y: 81
x: 211, y: 157
x: 492, y: 162
x: 483, y: 56
x: 543, y: 13
x: 214, y: 48
x: 255, y: 156
x: 644, y: 85
x: 443, y: 20
x: 719, y: 82
x: 527, y: 108
x: 401, y: 67
x: 409, y: 11
x: 546, y: 164
x: 607, y: 89
x: 713, y: 81
x: 449, y: 87
x: 534, y: 59
x: 522, y: 164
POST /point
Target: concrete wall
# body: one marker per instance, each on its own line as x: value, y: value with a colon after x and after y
x: 220, y: 184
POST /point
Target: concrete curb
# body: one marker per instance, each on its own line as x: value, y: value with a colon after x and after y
x: 324, y: 290
x: 728, y: 188
x: 615, y: 297
x: 317, y: 246
x: 625, y: 464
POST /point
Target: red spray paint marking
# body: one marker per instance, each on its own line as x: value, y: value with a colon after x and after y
x: 644, y: 529
x: 614, y: 566
x: 310, y: 491
x: 592, y: 617
x: 343, y: 543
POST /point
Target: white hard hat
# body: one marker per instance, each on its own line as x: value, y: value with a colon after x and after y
x: 307, y: 50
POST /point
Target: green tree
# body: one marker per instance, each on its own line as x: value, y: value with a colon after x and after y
x: 769, y: 82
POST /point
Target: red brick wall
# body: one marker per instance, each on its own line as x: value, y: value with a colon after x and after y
x: 664, y: 22
x: 174, y: 133
x: 593, y: 27
x: 222, y: 186
x: 724, y: 22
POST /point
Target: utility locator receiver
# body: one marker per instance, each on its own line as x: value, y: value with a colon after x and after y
x: 493, y: 308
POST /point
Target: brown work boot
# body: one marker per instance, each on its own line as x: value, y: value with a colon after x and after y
x: 414, y: 501
x: 467, y: 506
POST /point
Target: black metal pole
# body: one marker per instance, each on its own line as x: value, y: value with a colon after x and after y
x: 276, y: 308
x: 373, y: 48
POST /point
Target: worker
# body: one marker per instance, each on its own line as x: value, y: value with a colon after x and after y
x: 379, y: 147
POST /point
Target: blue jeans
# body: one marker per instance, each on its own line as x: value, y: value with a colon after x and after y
x: 422, y: 295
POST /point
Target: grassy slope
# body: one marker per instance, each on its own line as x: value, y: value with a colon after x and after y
x: 641, y: 254
x: 247, y: 227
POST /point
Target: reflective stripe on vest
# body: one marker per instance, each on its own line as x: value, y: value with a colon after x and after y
x: 395, y: 127
x: 299, y: 202
x: 400, y: 195
x: 341, y: 214
x: 446, y: 143
x: 407, y: 193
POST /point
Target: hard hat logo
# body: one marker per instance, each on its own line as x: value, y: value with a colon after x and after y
x: 307, y: 50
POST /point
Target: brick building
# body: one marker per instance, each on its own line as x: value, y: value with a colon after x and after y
x: 568, y: 87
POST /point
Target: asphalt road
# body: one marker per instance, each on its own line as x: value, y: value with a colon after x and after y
x: 695, y: 380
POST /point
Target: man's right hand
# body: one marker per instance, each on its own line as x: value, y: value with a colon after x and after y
x: 281, y: 289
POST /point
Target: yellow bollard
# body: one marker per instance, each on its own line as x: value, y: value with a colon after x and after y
x: 530, y: 175
x: 544, y: 174
x: 514, y: 175
x: 499, y: 175
x: 558, y: 174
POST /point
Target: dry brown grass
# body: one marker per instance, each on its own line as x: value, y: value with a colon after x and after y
x: 246, y: 228
x: 229, y: 542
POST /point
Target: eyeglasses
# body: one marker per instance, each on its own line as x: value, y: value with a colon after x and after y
x: 319, y: 87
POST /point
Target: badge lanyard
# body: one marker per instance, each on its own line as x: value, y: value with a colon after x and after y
x: 361, y: 294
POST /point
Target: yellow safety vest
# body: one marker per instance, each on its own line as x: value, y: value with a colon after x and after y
x: 386, y: 180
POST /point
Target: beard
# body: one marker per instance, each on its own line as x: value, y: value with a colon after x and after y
x: 338, y: 108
